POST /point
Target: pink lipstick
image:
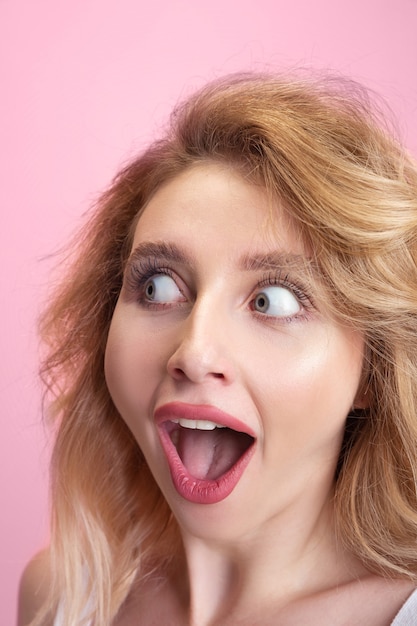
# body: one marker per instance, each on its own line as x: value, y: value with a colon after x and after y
x: 207, y: 450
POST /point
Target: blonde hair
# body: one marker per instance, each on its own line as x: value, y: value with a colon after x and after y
x: 352, y: 192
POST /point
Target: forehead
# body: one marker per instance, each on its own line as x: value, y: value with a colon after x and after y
x: 214, y: 205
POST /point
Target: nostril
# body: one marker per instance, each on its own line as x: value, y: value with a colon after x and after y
x: 178, y: 372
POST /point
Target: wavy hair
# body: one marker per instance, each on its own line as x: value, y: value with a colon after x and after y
x: 351, y: 190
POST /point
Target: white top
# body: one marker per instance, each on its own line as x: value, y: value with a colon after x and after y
x: 59, y: 617
x: 407, y: 615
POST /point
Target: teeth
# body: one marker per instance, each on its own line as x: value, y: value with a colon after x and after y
x: 197, y: 424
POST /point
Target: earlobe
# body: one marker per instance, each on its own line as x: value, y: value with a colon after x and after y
x: 363, y: 397
x: 362, y: 401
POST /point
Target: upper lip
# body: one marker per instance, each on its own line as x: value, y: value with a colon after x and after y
x: 176, y: 410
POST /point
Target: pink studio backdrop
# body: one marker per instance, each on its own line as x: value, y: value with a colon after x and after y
x: 85, y: 84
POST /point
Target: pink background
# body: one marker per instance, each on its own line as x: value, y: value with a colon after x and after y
x: 84, y: 84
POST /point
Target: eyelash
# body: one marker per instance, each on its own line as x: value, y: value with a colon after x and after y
x: 300, y: 293
x: 139, y: 274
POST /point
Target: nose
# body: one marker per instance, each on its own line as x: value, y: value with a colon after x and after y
x: 203, y: 351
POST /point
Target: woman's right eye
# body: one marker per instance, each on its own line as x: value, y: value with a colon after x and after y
x: 161, y: 288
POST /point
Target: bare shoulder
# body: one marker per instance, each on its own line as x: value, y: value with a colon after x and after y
x: 371, y: 600
x: 33, y: 589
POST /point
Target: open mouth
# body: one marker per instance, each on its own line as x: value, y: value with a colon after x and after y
x: 207, y: 450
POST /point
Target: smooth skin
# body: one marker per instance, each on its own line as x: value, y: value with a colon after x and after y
x: 218, y: 308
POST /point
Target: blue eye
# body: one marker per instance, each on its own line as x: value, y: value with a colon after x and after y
x: 162, y: 288
x: 276, y: 301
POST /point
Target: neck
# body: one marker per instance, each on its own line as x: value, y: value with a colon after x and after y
x: 286, y: 559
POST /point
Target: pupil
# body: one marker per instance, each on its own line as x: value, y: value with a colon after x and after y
x: 150, y: 290
x: 262, y: 302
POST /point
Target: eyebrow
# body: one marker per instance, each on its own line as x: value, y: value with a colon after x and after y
x: 171, y: 253
x: 162, y: 250
x: 274, y: 260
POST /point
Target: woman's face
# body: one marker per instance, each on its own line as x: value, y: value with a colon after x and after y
x: 232, y: 377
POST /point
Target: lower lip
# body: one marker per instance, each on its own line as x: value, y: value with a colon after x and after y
x: 193, y: 489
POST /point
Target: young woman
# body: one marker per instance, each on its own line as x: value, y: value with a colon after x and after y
x: 233, y: 358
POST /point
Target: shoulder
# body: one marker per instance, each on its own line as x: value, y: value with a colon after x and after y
x: 33, y: 590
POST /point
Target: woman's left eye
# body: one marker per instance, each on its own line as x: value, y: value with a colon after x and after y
x: 276, y: 301
x: 161, y: 288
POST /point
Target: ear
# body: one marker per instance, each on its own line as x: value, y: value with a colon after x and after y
x: 363, y: 397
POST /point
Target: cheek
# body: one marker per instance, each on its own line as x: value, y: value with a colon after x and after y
x: 132, y: 374
x: 129, y: 370
x: 308, y: 389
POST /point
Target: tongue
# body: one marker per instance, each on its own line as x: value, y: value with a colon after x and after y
x: 208, y: 454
